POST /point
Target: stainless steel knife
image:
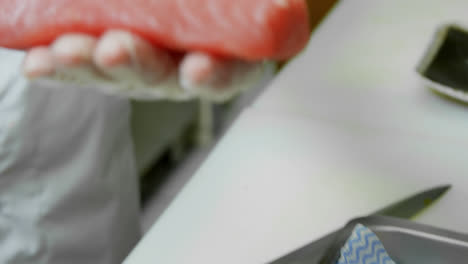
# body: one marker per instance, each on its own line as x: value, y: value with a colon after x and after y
x: 412, y: 206
x: 406, y: 208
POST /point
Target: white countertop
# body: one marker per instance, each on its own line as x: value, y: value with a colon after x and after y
x: 360, y: 66
x: 276, y: 182
x: 346, y: 129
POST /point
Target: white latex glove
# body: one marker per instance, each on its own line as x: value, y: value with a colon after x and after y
x: 123, y: 63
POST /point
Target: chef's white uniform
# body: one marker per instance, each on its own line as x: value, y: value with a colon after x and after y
x: 68, y: 183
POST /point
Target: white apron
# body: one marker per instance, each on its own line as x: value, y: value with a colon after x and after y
x: 68, y: 183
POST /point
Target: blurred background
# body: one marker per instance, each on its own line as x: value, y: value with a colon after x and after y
x: 173, y: 139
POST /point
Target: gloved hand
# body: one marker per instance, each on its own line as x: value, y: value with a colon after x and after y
x: 131, y: 63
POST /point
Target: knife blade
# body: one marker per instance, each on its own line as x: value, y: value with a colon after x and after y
x: 406, y: 208
x: 414, y: 205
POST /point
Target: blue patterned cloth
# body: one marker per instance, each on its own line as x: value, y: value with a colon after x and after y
x: 364, y: 247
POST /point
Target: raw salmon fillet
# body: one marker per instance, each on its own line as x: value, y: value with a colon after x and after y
x: 247, y: 29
